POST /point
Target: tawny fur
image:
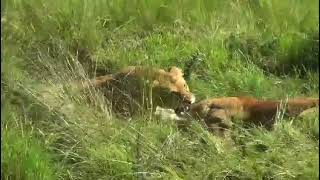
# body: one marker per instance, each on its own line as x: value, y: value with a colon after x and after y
x: 137, y: 87
x: 218, y: 113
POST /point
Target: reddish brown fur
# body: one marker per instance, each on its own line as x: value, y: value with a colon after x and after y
x: 264, y: 111
x: 220, y: 111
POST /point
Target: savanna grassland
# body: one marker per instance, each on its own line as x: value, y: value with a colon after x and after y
x: 261, y: 48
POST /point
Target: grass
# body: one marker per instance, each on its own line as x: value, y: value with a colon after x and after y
x: 265, y: 49
x: 23, y: 158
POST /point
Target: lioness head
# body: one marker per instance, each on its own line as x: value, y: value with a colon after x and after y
x: 172, y: 87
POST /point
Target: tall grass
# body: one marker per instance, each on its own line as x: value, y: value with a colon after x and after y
x: 266, y: 49
x: 23, y: 158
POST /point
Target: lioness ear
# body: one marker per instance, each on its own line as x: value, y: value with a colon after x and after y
x: 176, y: 71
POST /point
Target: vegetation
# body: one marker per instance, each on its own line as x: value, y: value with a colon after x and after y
x: 261, y: 48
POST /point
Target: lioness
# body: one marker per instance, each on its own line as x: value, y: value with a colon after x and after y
x: 137, y: 87
x: 217, y: 113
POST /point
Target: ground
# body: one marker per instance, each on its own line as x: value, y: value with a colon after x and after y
x: 265, y: 49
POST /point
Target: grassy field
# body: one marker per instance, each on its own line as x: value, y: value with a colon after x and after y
x: 261, y: 48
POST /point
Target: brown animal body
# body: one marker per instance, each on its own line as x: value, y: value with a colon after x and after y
x: 137, y: 87
x: 217, y: 113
